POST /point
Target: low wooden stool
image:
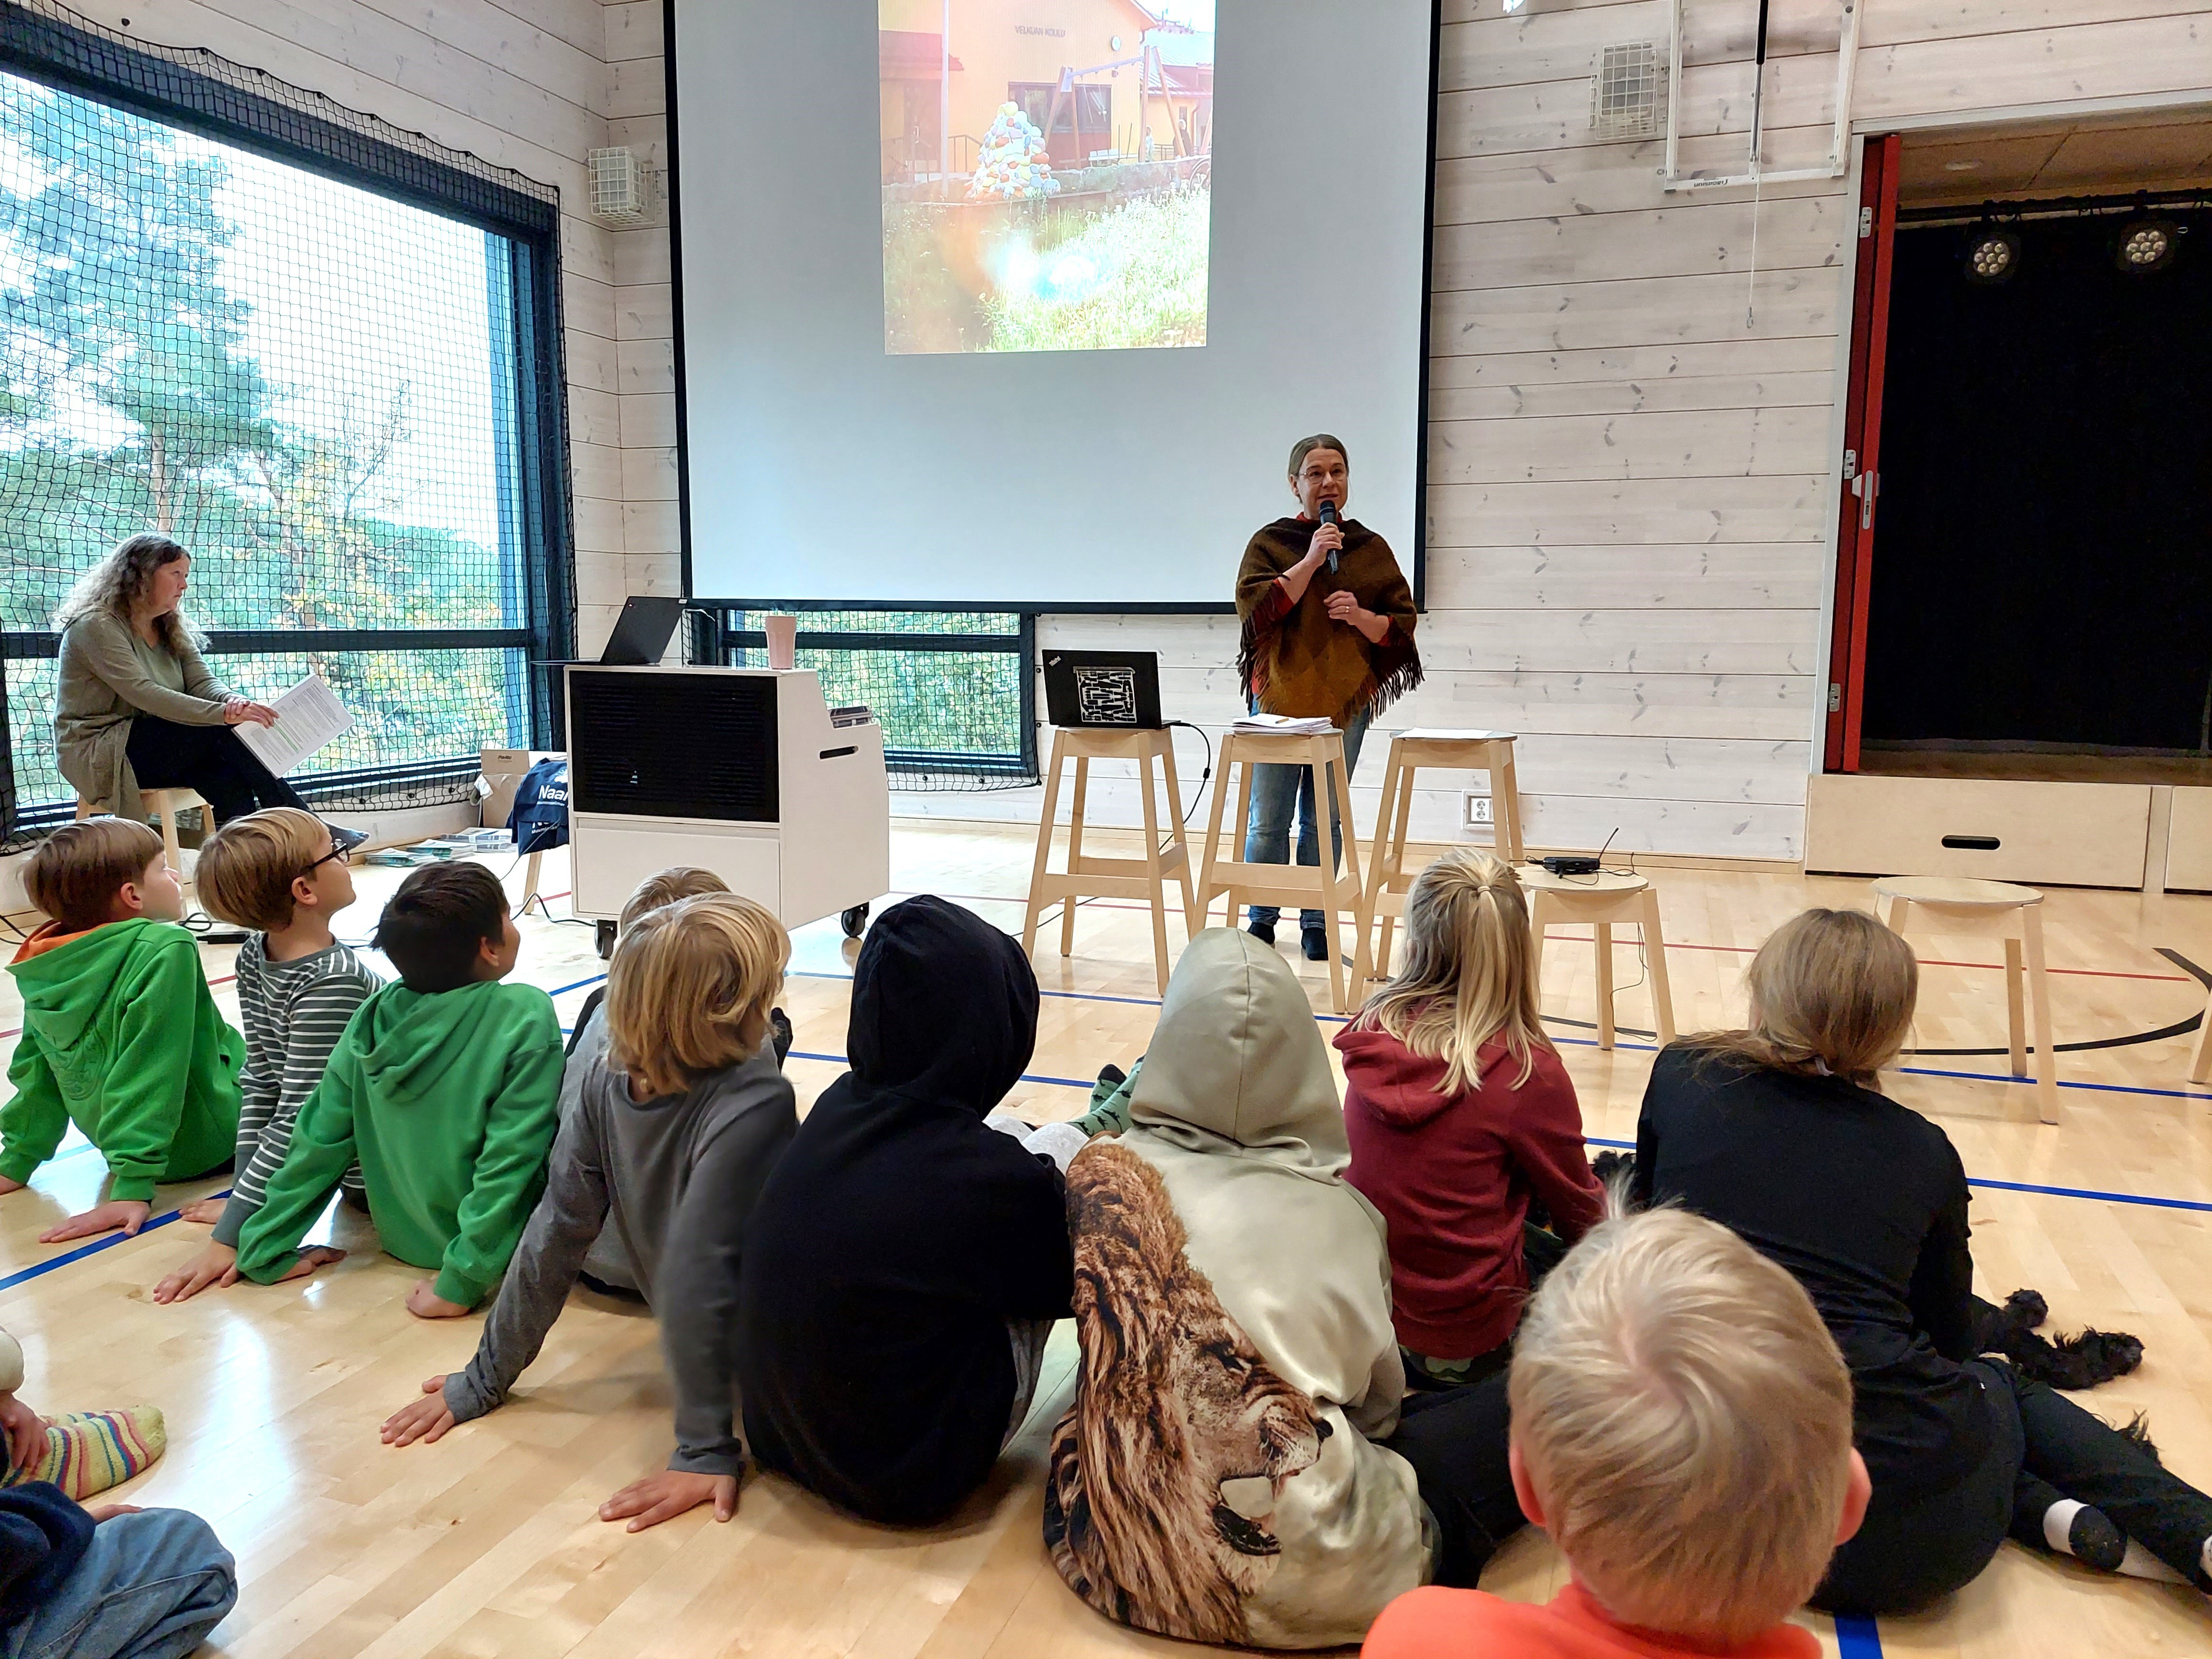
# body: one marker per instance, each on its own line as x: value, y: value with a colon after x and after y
x: 165, y: 804
x: 1991, y: 909
x: 1090, y: 877
x: 1601, y: 900
x: 1388, y: 878
x: 1327, y: 887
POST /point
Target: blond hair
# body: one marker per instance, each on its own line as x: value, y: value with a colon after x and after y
x: 246, y: 868
x: 689, y: 989
x: 1832, y: 992
x: 1470, y: 975
x: 1685, y: 1419
x: 678, y: 881
x: 115, y: 586
x: 78, y: 870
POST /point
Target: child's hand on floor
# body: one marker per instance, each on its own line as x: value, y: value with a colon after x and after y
x: 425, y: 1420
x: 317, y: 1255
x: 127, y: 1214
x: 424, y: 1302
x: 216, y: 1265
x: 204, y: 1211
x: 25, y: 1431
x: 664, y: 1496
x: 100, y: 1512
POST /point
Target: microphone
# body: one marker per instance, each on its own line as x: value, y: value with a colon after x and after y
x: 1329, y: 516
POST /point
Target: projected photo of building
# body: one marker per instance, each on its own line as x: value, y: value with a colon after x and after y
x: 1047, y: 173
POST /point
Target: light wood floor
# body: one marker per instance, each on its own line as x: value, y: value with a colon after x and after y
x: 486, y: 1544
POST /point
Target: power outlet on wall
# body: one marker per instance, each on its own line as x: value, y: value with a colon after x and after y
x: 1478, y: 809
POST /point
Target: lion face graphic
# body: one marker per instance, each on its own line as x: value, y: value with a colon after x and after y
x: 1166, y: 1471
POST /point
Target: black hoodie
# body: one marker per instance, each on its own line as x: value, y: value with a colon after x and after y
x: 897, y: 1236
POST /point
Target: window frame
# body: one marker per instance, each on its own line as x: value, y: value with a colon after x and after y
x: 188, y: 90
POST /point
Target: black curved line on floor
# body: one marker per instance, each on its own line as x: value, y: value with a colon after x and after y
x: 2179, y: 1028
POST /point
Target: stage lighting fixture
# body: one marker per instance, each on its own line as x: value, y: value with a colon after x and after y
x: 2147, y: 245
x: 1992, y: 255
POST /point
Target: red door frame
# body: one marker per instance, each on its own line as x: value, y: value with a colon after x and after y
x: 1856, y: 509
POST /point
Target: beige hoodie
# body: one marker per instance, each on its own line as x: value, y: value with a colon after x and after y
x: 1216, y: 1478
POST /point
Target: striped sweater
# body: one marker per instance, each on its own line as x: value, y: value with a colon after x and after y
x: 294, y: 1014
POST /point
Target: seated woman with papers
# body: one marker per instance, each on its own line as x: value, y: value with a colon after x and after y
x: 137, y: 710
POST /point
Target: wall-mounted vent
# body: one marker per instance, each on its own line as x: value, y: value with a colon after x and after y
x: 1625, y: 92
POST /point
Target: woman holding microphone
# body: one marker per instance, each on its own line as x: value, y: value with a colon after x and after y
x: 1326, y: 629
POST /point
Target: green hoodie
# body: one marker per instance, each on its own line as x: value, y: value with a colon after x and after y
x: 449, y: 1101
x: 121, y: 1037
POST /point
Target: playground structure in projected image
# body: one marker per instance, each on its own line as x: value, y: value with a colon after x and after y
x: 1047, y: 175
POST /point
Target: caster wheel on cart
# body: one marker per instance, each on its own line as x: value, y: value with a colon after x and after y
x: 603, y: 940
x: 853, y: 921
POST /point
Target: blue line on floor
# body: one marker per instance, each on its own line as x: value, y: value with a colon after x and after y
x: 1857, y: 1639
x: 95, y: 1247
x: 2099, y: 1088
x: 2085, y: 1192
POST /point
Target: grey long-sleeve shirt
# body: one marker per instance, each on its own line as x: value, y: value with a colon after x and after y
x: 677, y: 1179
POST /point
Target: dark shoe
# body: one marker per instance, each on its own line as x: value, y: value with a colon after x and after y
x: 2094, y: 1541
x: 344, y: 839
x: 1262, y: 931
x: 779, y: 1025
x: 1315, y: 940
x: 620, y: 1293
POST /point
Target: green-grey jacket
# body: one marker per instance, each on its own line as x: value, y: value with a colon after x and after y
x: 103, y: 686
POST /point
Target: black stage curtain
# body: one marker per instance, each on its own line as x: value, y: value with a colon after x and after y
x: 2043, y: 570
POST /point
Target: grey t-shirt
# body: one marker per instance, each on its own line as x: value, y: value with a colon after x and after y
x: 674, y: 1180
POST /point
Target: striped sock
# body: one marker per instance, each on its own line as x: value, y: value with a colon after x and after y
x: 87, y: 1452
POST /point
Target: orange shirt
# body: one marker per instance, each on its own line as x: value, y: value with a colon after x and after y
x: 1454, y: 1624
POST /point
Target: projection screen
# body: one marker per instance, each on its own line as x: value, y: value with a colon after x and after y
x: 1043, y: 333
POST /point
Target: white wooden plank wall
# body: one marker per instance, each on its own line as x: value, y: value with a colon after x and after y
x: 1630, y: 497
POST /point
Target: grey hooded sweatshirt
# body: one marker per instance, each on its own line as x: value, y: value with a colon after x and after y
x: 1216, y: 1478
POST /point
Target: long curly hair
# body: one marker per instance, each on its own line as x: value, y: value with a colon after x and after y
x: 115, y: 586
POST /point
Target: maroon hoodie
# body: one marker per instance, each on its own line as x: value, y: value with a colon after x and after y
x: 1453, y: 1175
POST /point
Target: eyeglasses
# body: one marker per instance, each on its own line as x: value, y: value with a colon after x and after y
x: 337, y: 853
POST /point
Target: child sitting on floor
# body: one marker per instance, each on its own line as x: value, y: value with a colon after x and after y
x: 1682, y: 1428
x: 679, y: 1125
x: 113, y: 1582
x: 120, y: 1034
x: 1460, y: 1113
x: 444, y: 1087
x: 282, y: 872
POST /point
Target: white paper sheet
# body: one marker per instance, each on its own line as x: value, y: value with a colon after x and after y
x: 1454, y: 735
x: 309, y: 719
x: 1286, y: 726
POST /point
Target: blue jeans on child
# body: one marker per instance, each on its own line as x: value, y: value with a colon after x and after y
x: 1276, y: 791
x: 151, y: 1586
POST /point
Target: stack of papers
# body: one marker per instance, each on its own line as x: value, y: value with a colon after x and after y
x: 309, y: 718
x: 1286, y: 726
x: 1449, y: 734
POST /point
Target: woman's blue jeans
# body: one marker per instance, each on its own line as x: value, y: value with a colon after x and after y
x: 1280, y: 792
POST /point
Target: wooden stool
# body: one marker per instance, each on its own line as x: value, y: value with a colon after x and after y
x: 2200, y: 1069
x: 1601, y: 900
x: 1090, y: 877
x: 1388, y: 878
x: 1327, y: 887
x: 1991, y: 909
x: 165, y: 804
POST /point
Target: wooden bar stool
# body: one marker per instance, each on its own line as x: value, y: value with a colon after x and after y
x: 165, y: 804
x: 1088, y: 876
x: 1601, y: 900
x: 1388, y: 878
x: 1328, y: 888
x: 1991, y: 909
x: 2200, y: 1069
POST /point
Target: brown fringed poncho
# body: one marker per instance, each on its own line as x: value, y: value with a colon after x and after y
x: 1299, y: 659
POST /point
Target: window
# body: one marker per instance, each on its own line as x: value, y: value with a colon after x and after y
x: 341, y: 401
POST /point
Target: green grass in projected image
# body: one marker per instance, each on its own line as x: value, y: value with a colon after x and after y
x: 1047, y: 173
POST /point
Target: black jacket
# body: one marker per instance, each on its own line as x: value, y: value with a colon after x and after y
x: 1863, y: 1199
x: 898, y: 1236
x: 43, y: 1535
